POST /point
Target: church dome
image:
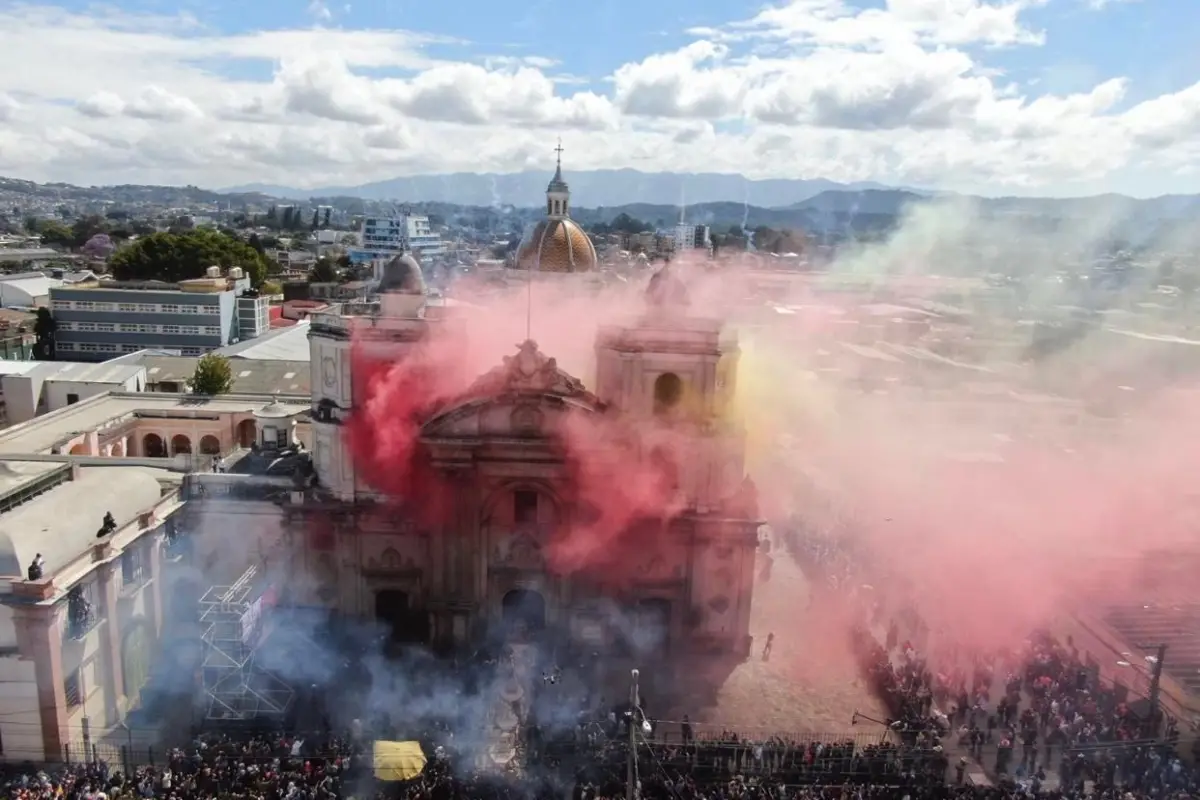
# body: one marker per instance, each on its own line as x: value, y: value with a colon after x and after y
x: 402, y: 275
x: 557, y: 245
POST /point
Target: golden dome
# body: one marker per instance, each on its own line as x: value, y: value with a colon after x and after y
x: 557, y: 245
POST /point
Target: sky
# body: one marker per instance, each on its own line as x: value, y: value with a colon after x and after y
x: 996, y: 97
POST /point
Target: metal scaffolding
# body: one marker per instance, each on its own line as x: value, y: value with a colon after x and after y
x: 237, y: 688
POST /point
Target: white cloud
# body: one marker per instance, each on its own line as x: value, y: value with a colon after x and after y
x: 908, y: 93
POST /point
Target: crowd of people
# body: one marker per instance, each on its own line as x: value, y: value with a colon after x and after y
x: 997, y: 726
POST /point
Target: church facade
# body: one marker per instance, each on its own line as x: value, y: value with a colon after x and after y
x: 488, y: 561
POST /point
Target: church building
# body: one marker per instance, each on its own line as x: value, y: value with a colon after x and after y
x: 662, y: 373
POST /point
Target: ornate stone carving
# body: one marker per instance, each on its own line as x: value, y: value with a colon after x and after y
x: 529, y: 370
x: 526, y: 419
x: 520, y: 550
x: 393, y: 560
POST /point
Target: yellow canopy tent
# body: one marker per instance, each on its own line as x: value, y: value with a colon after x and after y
x: 398, y: 761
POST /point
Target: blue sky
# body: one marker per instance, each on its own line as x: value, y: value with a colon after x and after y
x: 920, y: 93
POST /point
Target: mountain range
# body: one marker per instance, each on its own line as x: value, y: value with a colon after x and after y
x: 596, y: 188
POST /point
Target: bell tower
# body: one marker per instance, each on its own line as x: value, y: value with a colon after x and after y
x: 671, y: 376
x: 558, y: 194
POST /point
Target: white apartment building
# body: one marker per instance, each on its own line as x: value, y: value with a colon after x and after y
x: 692, y: 237
x: 384, y: 237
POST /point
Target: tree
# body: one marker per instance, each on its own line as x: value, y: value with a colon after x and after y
x: 213, y: 375
x: 270, y: 287
x: 55, y: 234
x: 44, y: 328
x: 327, y: 217
x: 84, y: 228
x: 316, y: 220
x: 181, y: 256
x: 324, y: 271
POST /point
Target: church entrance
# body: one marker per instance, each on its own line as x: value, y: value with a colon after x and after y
x: 405, y: 624
x: 523, y: 610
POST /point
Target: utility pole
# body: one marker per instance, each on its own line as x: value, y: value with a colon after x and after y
x: 631, y: 777
x: 1156, y: 689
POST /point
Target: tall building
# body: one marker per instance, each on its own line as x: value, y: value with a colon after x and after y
x: 385, y: 237
x: 98, y: 321
x: 692, y: 237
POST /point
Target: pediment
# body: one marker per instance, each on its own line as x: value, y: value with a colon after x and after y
x: 524, y: 397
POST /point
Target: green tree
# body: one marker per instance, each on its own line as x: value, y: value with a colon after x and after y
x: 270, y: 287
x: 324, y: 271
x: 44, y: 328
x: 327, y: 217
x: 213, y: 375
x: 182, y: 256
x: 316, y: 220
x: 55, y: 234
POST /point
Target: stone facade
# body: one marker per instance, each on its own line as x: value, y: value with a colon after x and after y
x: 496, y: 450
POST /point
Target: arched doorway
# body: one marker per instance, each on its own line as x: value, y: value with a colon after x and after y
x: 118, y: 450
x: 153, y: 446
x: 247, y: 432
x: 180, y: 444
x: 523, y: 609
x: 405, y: 624
x: 135, y: 660
x: 210, y: 446
x: 651, y: 630
x: 668, y: 392
x: 79, y: 450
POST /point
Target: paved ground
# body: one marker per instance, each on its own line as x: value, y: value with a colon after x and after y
x: 810, y: 685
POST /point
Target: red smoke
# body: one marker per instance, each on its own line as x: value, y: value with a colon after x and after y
x: 987, y: 549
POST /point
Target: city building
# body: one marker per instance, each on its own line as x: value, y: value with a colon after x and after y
x: 557, y: 244
x: 33, y: 388
x: 89, y: 502
x: 97, y: 321
x: 383, y: 237
x: 26, y: 290
x: 691, y: 589
x: 692, y: 237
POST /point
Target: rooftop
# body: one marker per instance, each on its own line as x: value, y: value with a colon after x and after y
x: 63, y: 522
x: 284, y: 344
x: 39, y: 435
x: 250, y: 376
x: 103, y: 372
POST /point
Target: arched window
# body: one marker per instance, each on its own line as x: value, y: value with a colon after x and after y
x: 210, y: 446
x: 153, y: 446
x: 180, y: 444
x: 668, y: 391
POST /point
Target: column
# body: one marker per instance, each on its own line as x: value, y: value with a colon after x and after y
x: 110, y: 581
x: 152, y: 562
x: 40, y: 632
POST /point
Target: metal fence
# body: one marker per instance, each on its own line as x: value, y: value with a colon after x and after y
x: 124, y: 757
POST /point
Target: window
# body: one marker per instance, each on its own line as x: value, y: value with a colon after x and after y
x: 107, y: 327
x: 84, y: 305
x: 62, y: 305
x: 108, y: 347
x: 105, y: 306
x: 131, y: 567
x: 85, y: 326
x: 147, y: 328
x: 187, y: 309
x: 211, y: 330
x: 148, y: 308
x: 71, y: 689
x: 170, y: 329
x: 525, y: 507
x: 169, y: 308
x: 127, y: 307
x: 72, y: 399
x: 190, y: 330
x: 127, y: 327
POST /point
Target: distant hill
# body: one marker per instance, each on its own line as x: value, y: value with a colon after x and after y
x: 608, y: 187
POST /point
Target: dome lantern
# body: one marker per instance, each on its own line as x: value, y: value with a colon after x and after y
x: 558, y: 194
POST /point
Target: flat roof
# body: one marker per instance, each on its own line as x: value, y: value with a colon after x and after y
x: 102, y: 372
x: 250, y: 375
x: 284, y: 344
x: 40, y: 434
x: 15, y: 474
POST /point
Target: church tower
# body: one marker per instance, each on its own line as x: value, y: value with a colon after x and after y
x: 558, y: 194
x: 671, y: 376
